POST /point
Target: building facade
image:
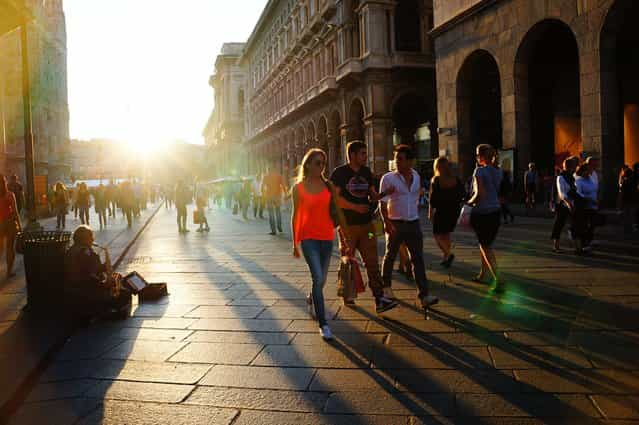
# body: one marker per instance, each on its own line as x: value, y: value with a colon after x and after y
x: 48, y: 76
x: 224, y: 131
x: 543, y: 79
x: 320, y: 73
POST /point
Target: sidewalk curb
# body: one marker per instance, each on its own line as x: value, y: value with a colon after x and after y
x: 11, y: 405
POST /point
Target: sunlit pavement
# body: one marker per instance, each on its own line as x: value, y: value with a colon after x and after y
x: 233, y: 343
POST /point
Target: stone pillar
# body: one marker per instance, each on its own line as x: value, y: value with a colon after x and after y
x: 379, y: 141
x: 376, y: 27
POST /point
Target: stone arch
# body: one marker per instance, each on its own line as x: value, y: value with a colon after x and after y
x: 547, y: 95
x: 356, y: 114
x: 322, y: 133
x: 311, y: 136
x: 407, y: 26
x: 619, y: 41
x: 479, y: 114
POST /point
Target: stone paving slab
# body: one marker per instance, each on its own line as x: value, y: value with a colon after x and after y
x: 114, y: 412
x: 262, y: 399
x: 385, y: 403
x: 219, y: 353
x: 252, y: 417
x: 264, y: 338
x: 274, y: 378
x: 139, y: 391
x: 58, y: 412
x: 326, y: 356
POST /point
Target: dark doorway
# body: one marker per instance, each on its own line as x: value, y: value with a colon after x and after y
x: 412, y: 118
x: 478, y: 107
x: 620, y: 90
x: 548, y: 64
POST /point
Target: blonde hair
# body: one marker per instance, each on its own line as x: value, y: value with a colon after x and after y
x: 302, y: 171
x: 441, y: 167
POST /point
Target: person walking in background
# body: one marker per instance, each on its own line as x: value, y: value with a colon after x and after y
x: 258, y: 201
x: 586, y: 208
x: 74, y: 199
x: 400, y: 209
x: 127, y: 199
x: 505, y: 192
x: 626, y: 197
x: 18, y: 191
x: 355, y: 191
x: 566, y: 197
x: 530, y: 185
x: 312, y: 229
x: 201, y: 201
x: 10, y: 224
x: 83, y: 202
x: 446, y: 196
x: 100, y: 199
x: 485, y: 215
x: 273, y: 187
x: 60, y: 205
x: 182, y: 199
x: 244, y: 197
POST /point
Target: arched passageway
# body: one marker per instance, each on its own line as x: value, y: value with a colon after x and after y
x: 548, y: 95
x: 620, y: 89
x: 478, y: 107
x: 412, y: 117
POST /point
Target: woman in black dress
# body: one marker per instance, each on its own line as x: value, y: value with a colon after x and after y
x: 446, y: 196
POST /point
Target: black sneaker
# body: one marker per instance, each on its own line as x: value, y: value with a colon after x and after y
x: 383, y: 304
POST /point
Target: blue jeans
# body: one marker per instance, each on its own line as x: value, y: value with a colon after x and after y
x: 318, y: 257
x: 274, y: 215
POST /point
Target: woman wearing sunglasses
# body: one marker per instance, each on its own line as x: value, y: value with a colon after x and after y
x: 313, y: 229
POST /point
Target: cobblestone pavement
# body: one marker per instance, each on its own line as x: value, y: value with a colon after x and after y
x: 233, y: 342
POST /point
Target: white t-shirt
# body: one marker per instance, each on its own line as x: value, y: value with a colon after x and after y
x: 403, y: 204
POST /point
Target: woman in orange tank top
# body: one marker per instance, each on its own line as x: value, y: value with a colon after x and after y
x: 9, y: 224
x: 313, y: 229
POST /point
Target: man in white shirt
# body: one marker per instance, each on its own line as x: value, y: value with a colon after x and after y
x: 258, y: 203
x: 400, y: 211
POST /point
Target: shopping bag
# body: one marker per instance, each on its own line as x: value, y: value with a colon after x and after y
x: 464, y: 216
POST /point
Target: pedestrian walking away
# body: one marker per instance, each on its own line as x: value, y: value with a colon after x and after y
x: 566, y: 193
x: 83, y: 202
x: 485, y: 215
x: 355, y: 195
x: 10, y: 224
x: 258, y: 201
x: 585, y: 213
x: 400, y: 210
x: 182, y: 199
x: 313, y: 229
x: 100, y: 199
x: 530, y: 185
x: 60, y: 205
x: 272, y: 189
x: 446, y: 196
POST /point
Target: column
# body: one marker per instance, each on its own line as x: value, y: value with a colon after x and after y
x: 379, y: 141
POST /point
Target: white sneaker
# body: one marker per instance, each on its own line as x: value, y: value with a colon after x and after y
x: 326, y: 333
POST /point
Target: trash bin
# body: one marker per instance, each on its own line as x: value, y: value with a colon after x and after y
x: 44, y: 268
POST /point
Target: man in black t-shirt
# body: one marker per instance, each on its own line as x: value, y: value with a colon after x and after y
x: 356, y: 192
